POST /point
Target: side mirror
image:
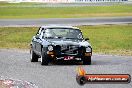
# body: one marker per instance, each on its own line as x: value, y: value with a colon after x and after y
x: 37, y: 36
x: 86, y: 39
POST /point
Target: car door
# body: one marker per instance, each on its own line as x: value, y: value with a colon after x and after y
x: 39, y: 44
x: 35, y: 41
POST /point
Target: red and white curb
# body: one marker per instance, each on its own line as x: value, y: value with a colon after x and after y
x: 12, y: 83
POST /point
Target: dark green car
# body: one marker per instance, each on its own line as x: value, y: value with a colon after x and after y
x: 65, y: 43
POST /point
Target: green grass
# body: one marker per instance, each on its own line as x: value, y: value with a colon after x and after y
x: 109, y: 39
x: 13, y: 37
x: 17, y: 11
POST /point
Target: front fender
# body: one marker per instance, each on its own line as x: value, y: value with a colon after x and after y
x: 45, y: 43
x: 85, y: 44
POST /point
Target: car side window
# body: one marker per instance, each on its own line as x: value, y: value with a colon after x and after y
x: 38, y: 31
x: 41, y: 35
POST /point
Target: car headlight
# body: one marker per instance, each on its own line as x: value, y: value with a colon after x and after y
x: 50, y: 48
x: 88, y: 49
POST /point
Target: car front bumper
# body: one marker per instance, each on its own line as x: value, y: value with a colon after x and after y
x: 62, y: 56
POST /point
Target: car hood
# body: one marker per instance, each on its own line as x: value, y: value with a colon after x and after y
x: 69, y: 42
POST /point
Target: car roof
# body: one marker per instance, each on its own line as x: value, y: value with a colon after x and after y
x: 54, y: 26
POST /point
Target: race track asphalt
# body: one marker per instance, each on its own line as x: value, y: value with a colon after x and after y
x: 16, y: 64
x: 65, y: 21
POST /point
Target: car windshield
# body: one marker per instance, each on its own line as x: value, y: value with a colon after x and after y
x: 68, y: 33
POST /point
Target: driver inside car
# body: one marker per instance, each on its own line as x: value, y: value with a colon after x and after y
x: 49, y: 34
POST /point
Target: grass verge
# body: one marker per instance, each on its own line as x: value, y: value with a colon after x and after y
x: 19, y: 11
x: 110, y: 39
x: 106, y: 39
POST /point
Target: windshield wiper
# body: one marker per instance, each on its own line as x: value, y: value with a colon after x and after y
x: 59, y: 37
x: 56, y: 37
x: 50, y: 37
x: 72, y: 38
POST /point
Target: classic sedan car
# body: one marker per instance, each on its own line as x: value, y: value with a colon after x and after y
x: 54, y: 43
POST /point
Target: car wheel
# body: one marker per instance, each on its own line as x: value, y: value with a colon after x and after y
x: 33, y: 56
x: 44, y: 58
x: 87, y: 60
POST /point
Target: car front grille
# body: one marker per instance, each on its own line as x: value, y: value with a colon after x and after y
x: 69, y: 49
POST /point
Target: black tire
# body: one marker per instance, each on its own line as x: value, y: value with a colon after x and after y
x: 44, y: 58
x: 34, y: 57
x: 87, y: 60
